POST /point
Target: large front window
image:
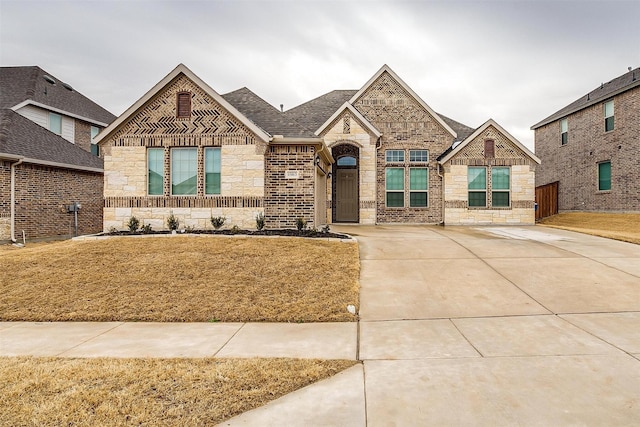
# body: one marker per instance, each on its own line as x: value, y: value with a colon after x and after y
x: 418, y: 185
x: 184, y: 171
x: 477, y: 185
x: 212, y: 170
x: 395, y: 187
x: 155, y: 167
x: 500, y: 187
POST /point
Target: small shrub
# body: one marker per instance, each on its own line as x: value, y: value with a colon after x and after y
x: 189, y: 229
x: 172, y: 222
x: 133, y: 224
x: 260, y: 221
x: 325, y: 229
x: 146, y: 228
x: 301, y: 223
x: 113, y: 230
x: 312, y: 232
x: 217, y: 221
x: 235, y: 229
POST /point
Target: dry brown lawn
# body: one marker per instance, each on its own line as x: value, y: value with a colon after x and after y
x: 180, y: 279
x: 619, y: 226
x: 167, y: 392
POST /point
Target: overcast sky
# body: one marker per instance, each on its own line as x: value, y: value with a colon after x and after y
x: 514, y: 61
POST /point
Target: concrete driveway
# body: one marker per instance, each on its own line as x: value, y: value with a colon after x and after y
x: 484, y: 326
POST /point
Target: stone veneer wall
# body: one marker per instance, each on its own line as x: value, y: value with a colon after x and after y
x: 457, y: 211
x: 405, y: 125
x: 366, y: 142
x: 290, y: 174
x: 575, y: 164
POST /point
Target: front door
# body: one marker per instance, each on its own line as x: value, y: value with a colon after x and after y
x: 346, y: 195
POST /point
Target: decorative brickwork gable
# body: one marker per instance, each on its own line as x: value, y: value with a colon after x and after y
x: 405, y: 124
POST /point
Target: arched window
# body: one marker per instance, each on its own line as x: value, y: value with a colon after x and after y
x: 347, y: 161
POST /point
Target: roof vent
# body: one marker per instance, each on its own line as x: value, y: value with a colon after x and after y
x: 49, y: 79
x: 67, y: 86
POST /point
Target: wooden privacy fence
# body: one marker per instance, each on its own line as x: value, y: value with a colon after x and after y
x: 546, y: 200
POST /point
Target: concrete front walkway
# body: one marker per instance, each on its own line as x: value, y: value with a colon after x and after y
x: 458, y: 326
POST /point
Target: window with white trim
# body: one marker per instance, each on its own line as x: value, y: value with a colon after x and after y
x: 418, y: 187
x: 394, y: 156
x: 155, y: 171
x: 419, y: 156
x: 477, y: 186
x: 95, y: 150
x: 608, y: 116
x: 184, y: 171
x: 55, y: 123
x: 564, y: 131
x: 395, y: 187
x: 212, y: 168
x: 500, y: 187
x: 604, y: 176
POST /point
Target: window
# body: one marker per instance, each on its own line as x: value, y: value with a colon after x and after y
x: 183, y: 105
x: 419, y: 155
x: 608, y: 116
x: 95, y: 150
x: 500, y: 186
x: 184, y: 171
x: 564, y: 131
x: 604, y: 176
x: 155, y: 166
x: 347, y: 161
x: 212, y: 171
x: 418, y: 182
x: 477, y: 179
x: 395, y: 187
x: 394, y: 155
x: 55, y: 123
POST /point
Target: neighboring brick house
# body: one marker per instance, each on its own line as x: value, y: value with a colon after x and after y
x: 591, y: 148
x: 375, y: 155
x: 46, y: 132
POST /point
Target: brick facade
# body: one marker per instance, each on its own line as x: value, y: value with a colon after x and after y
x: 42, y: 194
x: 575, y: 164
x: 290, y: 185
x: 83, y: 135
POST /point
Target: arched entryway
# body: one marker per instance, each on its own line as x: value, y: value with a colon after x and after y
x: 344, y: 183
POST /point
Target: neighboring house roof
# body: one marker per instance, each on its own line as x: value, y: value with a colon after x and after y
x: 607, y: 90
x: 182, y: 69
x: 463, y: 131
x: 312, y: 114
x: 450, y: 153
x: 20, y: 138
x: 32, y: 85
x: 265, y: 115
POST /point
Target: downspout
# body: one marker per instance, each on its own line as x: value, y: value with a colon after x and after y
x: 13, y: 199
x: 443, y: 190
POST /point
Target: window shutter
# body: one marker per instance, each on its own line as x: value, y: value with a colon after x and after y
x: 184, y: 105
x: 489, y: 149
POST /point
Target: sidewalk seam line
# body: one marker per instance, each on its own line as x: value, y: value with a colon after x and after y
x: 88, y: 339
x: 230, y: 338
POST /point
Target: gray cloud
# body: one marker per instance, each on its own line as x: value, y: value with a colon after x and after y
x: 514, y: 61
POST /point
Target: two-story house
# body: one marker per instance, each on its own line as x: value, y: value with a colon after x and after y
x: 591, y: 148
x: 48, y: 156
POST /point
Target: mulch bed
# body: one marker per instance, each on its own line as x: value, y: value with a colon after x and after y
x: 232, y: 232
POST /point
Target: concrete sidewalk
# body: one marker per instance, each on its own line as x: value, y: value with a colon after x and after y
x: 458, y: 326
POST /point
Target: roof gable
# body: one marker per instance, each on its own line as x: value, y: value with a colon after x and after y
x: 607, y: 90
x: 162, y: 85
x: 478, y: 132
x: 348, y: 107
x: 32, y: 85
x: 387, y: 70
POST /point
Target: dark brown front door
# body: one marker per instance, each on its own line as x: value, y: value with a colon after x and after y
x: 346, y: 195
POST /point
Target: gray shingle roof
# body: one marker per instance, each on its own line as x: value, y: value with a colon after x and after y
x: 463, y: 131
x: 312, y: 114
x: 19, y: 84
x: 265, y: 115
x: 20, y: 136
x: 620, y: 84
